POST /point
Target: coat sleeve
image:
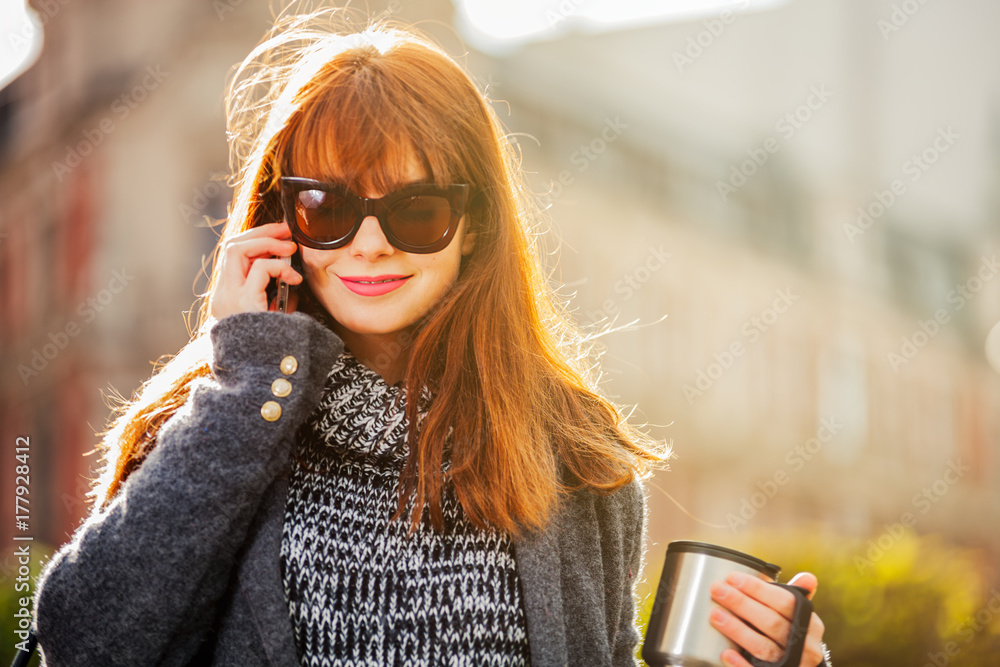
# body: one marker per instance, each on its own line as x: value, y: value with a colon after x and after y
x: 139, y: 582
x: 627, y: 637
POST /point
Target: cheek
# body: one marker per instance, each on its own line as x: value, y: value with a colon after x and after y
x: 444, y: 269
x: 313, y: 262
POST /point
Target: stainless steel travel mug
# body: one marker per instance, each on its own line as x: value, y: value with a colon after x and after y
x: 679, y: 631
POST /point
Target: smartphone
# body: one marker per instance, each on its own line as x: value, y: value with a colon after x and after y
x: 282, y: 295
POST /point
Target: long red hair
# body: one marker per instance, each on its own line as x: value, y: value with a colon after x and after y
x: 515, y: 409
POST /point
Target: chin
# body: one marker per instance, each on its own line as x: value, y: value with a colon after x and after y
x: 366, y: 327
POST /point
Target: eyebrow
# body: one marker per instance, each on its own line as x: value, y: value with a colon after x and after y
x: 395, y: 185
x: 420, y: 181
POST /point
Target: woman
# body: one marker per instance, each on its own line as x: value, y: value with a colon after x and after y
x: 277, y: 496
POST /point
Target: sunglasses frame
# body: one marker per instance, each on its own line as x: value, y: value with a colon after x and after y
x: 457, y: 195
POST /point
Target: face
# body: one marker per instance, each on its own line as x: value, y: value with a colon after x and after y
x: 373, y: 290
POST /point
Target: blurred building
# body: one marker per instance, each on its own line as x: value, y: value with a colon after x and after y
x: 113, y: 152
x: 819, y: 359
x: 831, y: 223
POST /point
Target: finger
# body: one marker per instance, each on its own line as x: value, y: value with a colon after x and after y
x: 806, y: 580
x: 742, y: 635
x: 274, y: 230
x: 733, y: 658
x: 278, y: 230
x: 265, y: 246
x: 812, y: 651
x: 239, y: 255
x: 816, y: 628
x: 769, y: 595
x: 767, y: 620
x: 263, y: 271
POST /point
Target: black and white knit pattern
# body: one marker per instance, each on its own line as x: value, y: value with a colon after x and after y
x: 360, y: 590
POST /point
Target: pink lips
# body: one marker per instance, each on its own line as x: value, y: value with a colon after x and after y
x: 373, y: 285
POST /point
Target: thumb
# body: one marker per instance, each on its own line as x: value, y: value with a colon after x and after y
x: 806, y: 580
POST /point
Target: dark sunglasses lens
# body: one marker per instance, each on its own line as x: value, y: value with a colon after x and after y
x: 420, y: 220
x: 323, y: 216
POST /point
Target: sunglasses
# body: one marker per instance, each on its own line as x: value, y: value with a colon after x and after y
x: 419, y: 218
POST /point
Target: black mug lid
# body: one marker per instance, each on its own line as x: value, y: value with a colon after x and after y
x: 686, y: 546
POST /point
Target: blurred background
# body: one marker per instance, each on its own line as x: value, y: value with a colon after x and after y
x: 781, y: 217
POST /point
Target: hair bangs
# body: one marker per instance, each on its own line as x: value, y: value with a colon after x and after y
x: 362, y: 125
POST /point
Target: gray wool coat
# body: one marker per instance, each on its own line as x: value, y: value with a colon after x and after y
x: 183, y: 567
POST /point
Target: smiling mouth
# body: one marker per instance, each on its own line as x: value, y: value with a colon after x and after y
x: 374, y: 280
x: 373, y: 285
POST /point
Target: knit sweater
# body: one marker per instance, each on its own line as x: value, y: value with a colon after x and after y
x: 182, y: 567
x: 361, y: 589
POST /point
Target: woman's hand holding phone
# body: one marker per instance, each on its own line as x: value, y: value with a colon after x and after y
x: 250, y: 261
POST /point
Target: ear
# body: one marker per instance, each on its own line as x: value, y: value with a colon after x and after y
x: 468, y: 243
x: 468, y: 240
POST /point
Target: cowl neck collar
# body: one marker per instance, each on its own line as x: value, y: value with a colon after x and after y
x: 360, y: 413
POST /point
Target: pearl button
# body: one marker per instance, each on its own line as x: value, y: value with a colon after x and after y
x: 289, y: 365
x: 281, y: 387
x: 270, y: 411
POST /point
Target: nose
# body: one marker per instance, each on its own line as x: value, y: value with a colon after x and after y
x: 370, y: 243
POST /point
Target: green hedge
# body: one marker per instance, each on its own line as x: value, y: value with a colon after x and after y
x: 10, y: 605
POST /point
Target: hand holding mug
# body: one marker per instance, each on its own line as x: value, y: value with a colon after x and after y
x: 716, y: 607
x: 761, y: 619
